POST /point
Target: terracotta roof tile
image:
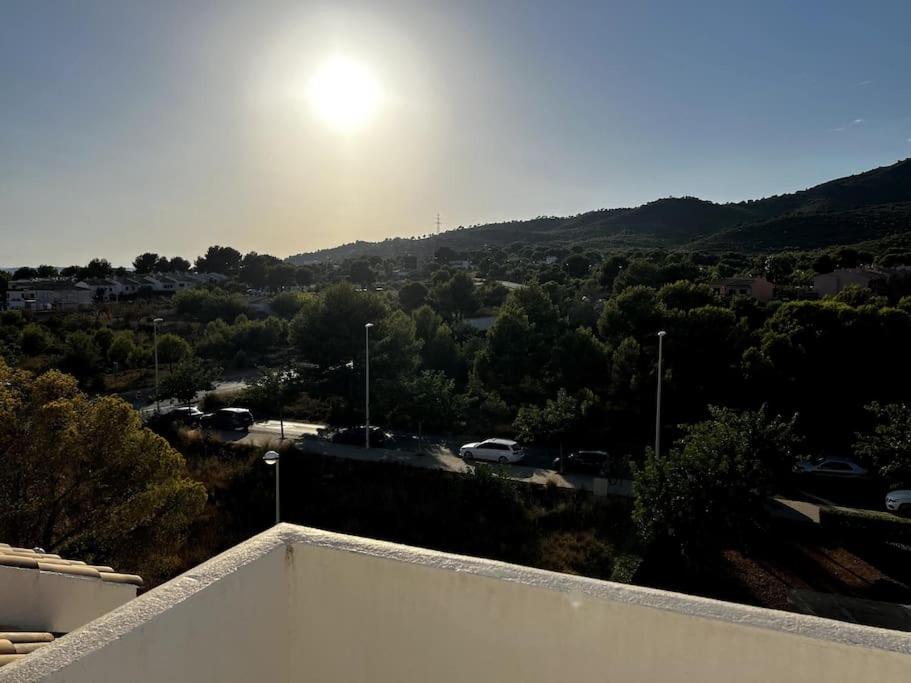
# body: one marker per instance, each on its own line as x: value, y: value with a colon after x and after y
x: 23, y: 558
x: 14, y: 645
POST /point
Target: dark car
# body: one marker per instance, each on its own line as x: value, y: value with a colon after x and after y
x: 589, y: 462
x: 183, y: 415
x: 355, y: 436
x: 233, y: 419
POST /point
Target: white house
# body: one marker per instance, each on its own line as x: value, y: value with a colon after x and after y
x: 832, y: 283
x: 58, y: 294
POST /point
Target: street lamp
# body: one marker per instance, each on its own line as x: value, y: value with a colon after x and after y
x: 661, y: 336
x: 155, y: 344
x: 367, y: 385
x: 272, y: 458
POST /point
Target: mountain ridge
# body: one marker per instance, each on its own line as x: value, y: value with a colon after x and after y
x: 855, y: 208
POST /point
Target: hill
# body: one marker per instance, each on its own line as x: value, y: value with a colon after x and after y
x: 857, y: 208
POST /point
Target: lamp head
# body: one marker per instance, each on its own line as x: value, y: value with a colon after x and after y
x: 662, y: 333
x: 271, y: 458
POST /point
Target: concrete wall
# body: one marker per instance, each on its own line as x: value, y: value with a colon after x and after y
x: 33, y: 600
x: 225, y: 621
x: 298, y: 604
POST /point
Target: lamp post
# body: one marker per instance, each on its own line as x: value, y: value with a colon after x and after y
x: 661, y: 336
x: 367, y: 384
x: 272, y: 458
x: 155, y: 344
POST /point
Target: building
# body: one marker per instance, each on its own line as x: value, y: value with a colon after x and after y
x: 58, y: 294
x: 758, y: 287
x: 827, y: 284
x: 298, y: 604
x: 42, y: 594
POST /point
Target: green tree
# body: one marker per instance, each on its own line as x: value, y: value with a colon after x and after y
x: 83, y: 478
x: 172, y: 349
x: 887, y: 446
x: 456, y: 297
x: 80, y: 355
x: 188, y: 378
x: 218, y: 259
x: 713, y: 485
x: 35, y: 339
x: 558, y: 422
x: 145, y: 263
x: 287, y: 304
x: 122, y: 347
x: 412, y: 295
x: 329, y: 329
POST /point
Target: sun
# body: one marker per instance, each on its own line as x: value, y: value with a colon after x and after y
x: 344, y: 94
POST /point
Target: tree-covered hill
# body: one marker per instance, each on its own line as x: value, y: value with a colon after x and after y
x: 853, y: 209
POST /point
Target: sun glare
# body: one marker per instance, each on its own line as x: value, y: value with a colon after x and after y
x: 344, y: 94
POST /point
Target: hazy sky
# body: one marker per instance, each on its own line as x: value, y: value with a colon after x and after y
x: 169, y: 126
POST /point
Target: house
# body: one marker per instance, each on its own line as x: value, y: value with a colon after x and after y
x: 58, y: 294
x: 757, y: 287
x: 42, y: 594
x: 299, y: 604
x: 102, y: 289
x: 827, y: 284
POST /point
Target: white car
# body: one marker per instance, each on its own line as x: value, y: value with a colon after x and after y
x: 899, y: 501
x: 836, y: 466
x: 495, y: 450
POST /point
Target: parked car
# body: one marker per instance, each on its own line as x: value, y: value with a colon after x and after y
x: 232, y: 419
x: 355, y: 436
x: 899, y: 501
x: 495, y: 450
x: 184, y: 415
x: 833, y: 466
x: 589, y: 462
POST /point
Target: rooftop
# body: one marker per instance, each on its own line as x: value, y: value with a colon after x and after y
x: 302, y: 604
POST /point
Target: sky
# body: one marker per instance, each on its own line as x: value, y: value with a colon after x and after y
x: 169, y: 126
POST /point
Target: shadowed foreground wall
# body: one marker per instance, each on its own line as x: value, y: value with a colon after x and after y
x: 297, y: 604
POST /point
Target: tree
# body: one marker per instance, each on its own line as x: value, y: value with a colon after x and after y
x: 577, y: 265
x: 280, y: 275
x: 329, y: 329
x: 187, y: 379
x: 121, y: 348
x: 287, y: 304
x: 684, y: 295
x: 179, y: 265
x: 456, y: 297
x: 145, y: 263
x: 557, y: 422
x: 25, y: 273
x: 172, y: 349
x: 45, y: 271
x: 824, y: 264
x: 82, y: 477
x: 713, y: 485
x: 97, y: 268
x: 274, y: 389
x: 35, y: 339
x: 887, y: 447
x: 361, y: 272
x: 412, y: 295
x: 635, y: 312
x: 80, y: 355
x: 217, y: 259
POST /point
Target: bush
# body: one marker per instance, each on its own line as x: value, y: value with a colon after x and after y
x: 206, y: 305
x: 287, y: 304
x: 865, y: 524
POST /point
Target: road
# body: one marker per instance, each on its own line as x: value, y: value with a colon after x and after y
x: 434, y: 454
x: 145, y: 408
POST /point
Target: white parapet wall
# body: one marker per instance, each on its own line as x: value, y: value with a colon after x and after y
x: 296, y: 604
x: 33, y: 600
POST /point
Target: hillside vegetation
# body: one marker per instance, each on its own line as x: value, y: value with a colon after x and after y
x: 855, y: 209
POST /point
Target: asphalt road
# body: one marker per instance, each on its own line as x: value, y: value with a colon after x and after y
x: 438, y: 454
